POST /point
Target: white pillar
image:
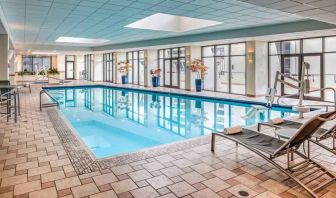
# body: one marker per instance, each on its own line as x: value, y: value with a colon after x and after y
x: 4, y: 75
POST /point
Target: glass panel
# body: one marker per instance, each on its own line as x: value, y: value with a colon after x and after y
x: 47, y: 63
x: 315, y: 72
x: 161, y: 55
x: 182, y: 52
x: 330, y: 44
x: 222, y: 64
x: 291, y: 68
x: 208, y: 51
x: 238, y: 49
x: 175, y: 52
x: 329, y: 75
x: 37, y: 62
x: 69, y: 70
x: 135, y: 71
x: 70, y: 58
x: 291, y: 47
x: 238, y: 77
x: 275, y: 65
x: 167, y: 72
x: 141, y: 72
x: 141, y: 54
x: 174, y: 73
x: 27, y: 63
x: 167, y: 53
x: 222, y: 50
x: 182, y: 68
x: 135, y: 55
x: 129, y: 55
x: 209, y: 81
x: 312, y: 45
x: 275, y: 48
x: 130, y: 72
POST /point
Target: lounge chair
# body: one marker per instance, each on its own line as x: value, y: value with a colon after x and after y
x: 317, y: 137
x: 305, y: 172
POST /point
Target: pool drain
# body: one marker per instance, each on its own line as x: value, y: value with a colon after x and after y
x: 243, y: 193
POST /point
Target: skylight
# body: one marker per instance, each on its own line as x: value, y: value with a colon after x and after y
x: 171, y: 23
x: 78, y: 40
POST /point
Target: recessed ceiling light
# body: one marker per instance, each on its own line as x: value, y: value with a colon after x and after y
x: 64, y: 39
x: 171, y: 23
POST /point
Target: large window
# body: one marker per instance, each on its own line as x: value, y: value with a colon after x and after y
x: 36, y: 63
x: 89, y: 67
x: 108, y: 65
x: 226, y: 68
x: 287, y: 56
x: 137, y: 74
x: 172, y: 62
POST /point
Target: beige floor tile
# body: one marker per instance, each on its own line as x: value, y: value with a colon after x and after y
x: 267, y: 194
x: 202, y: 168
x: 274, y: 186
x: 153, y: 166
x: 106, y: 194
x: 123, y: 186
x: 105, y: 179
x: 84, y: 190
x: 159, y: 181
x: 193, y: 177
x: 123, y: 169
x: 27, y: 187
x: 145, y: 192
x: 39, y: 170
x: 240, y: 187
x: 172, y: 171
x: 140, y: 175
x: 205, y: 193
x: 181, y: 189
x: 47, y: 177
x: 182, y: 163
x: 67, y: 183
x: 45, y: 193
x: 27, y: 165
x: 224, y: 174
x: 248, y: 180
x: 19, y: 179
x: 216, y: 184
x: 7, y: 195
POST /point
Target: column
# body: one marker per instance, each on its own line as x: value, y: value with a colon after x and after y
x: 4, y: 75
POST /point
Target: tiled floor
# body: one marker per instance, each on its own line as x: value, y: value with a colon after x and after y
x: 34, y: 163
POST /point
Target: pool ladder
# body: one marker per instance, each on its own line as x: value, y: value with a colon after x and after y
x: 54, y: 102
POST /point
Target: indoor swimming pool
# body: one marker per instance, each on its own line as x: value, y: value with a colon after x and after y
x: 114, y: 121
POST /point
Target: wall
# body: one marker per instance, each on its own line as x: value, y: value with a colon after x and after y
x: 61, y: 65
x: 195, y: 53
x: 4, y: 57
x: 261, y: 73
x: 121, y: 56
x: 98, y: 67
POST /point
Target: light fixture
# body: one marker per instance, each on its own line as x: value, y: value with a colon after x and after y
x: 44, y: 53
x: 171, y: 23
x: 78, y: 40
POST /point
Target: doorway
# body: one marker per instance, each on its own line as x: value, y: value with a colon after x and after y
x: 69, y: 67
x: 291, y: 65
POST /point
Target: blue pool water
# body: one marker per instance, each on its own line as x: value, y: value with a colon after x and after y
x: 113, y: 121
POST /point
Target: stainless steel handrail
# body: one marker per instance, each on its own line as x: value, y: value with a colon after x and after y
x: 55, y: 102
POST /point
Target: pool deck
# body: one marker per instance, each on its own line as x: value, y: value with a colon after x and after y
x: 36, y: 162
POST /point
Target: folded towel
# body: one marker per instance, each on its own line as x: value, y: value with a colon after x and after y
x: 233, y: 130
x: 277, y: 121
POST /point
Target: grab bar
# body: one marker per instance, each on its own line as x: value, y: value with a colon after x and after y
x: 51, y: 104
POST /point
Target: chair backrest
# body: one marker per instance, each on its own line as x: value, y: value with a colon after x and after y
x: 307, y: 130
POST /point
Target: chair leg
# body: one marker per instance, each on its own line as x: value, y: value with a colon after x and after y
x: 213, y: 139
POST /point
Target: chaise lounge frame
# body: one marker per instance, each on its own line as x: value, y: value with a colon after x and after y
x: 260, y: 144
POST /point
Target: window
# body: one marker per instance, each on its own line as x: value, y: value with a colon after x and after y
x: 89, y: 64
x: 108, y: 67
x: 320, y: 52
x: 172, y: 62
x: 137, y: 74
x: 226, y: 68
x: 36, y: 63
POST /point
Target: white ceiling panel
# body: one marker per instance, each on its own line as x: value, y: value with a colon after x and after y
x: 43, y: 21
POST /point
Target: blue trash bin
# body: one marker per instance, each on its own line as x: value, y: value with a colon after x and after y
x: 124, y: 79
x: 198, y: 83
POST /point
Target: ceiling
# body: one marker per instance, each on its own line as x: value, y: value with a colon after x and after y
x: 43, y: 21
x: 321, y: 10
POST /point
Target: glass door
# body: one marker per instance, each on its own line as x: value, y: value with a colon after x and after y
x: 315, y: 74
x: 291, y: 67
x: 69, y: 67
x: 174, y: 73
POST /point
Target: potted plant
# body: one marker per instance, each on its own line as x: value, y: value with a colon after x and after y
x: 53, y: 76
x: 124, y: 68
x: 156, y: 74
x: 197, y: 66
